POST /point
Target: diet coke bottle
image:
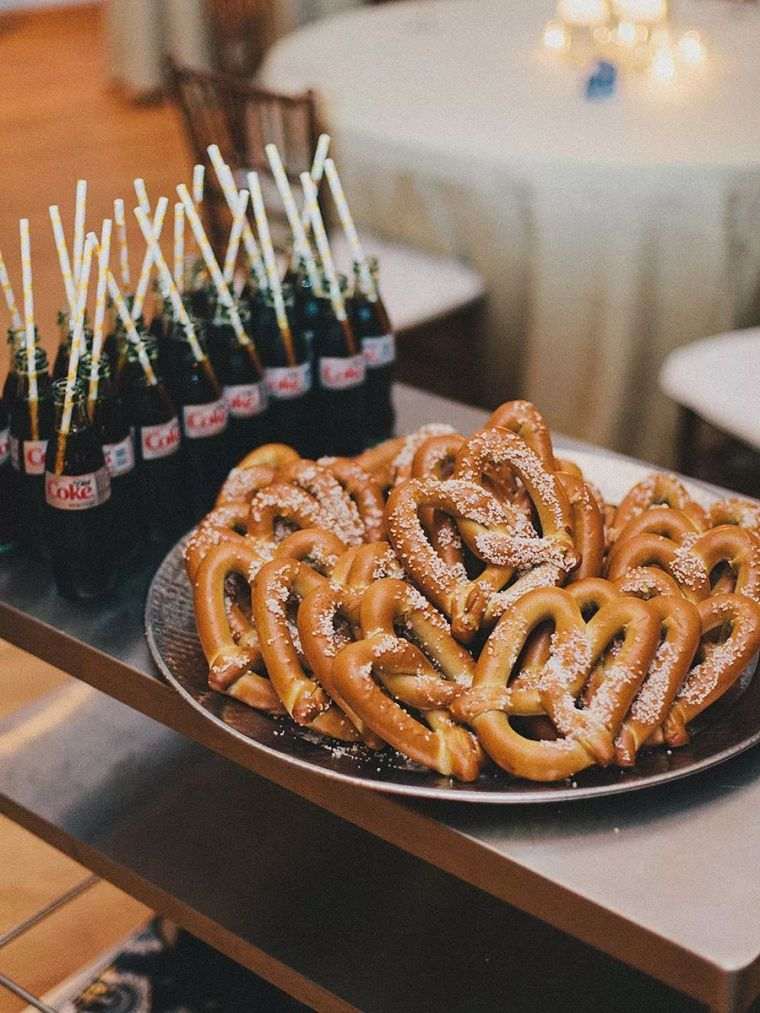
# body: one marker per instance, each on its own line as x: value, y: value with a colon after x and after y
x: 8, y: 501
x: 31, y: 426
x: 289, y: 384
x: 372, y: 326
x: 81, y: 518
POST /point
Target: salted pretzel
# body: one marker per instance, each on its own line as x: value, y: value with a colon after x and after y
x: 669, y: 522
x: 364, y: 490
x: 269, y: 455
x: 587, y: 526
x: 226, y: 523
x: 527, y: 422
x: 722, y: 663
x: 381, y: 669
x: 378, y: 461
x: 337, y: 511
x: 435, y: 458
x: 244, y: 483
x: 745, y: 513
x: 657, y: 488
x: 646, y: 582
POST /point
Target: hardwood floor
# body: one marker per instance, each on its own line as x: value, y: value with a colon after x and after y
x: 59, y: 122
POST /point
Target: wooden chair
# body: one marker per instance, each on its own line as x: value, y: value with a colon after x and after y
x: 241, y: 33
x: 435, y: 302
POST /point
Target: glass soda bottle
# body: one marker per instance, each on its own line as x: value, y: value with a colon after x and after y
x: 372, y: 326
x: 163, y: 510
x: 15, y: 339
x: 289, y: 384
x: 202, y: 412
x: 340, y: 384
x: 80, y: 511
x: 31, y: 426
x: 8, y: 503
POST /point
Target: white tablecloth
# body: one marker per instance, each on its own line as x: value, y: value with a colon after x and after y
x: 609, y: 232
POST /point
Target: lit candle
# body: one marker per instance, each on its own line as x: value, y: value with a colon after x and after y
x: 691, y: 48
x: 583, y: 12
x: 641, y: 10
x: 555, y: 36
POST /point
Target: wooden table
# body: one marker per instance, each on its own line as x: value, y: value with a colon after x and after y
x: 350, y: 899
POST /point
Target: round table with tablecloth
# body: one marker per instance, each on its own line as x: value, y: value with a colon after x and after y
x: 608, y: 232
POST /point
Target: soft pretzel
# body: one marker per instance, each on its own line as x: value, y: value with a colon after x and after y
x: 270, y: 455
x: 649, y: 551
x: 226, y: 523
x: 646, y: 582
x: 745, y: 513
x: 587, y: 526
x: 435, y: 458
x: 337, y: 511
x: 658, y: 520
x: 282, y: 501
x: 722, y: 663
x: 657, y: 488
x: 527, y: 422
x: 378, y: 461
x: 364, y: 490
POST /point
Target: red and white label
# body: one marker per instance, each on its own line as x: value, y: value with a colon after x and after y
x: 33, y: 456
x: 77, y: 492
x: 340, y: 374
x: 5, y: 445
x: 288, y: 381
x: 245, y: 399
x: 379, y: 351
x: 204, y: 420
x: 120, y: 457
x: 160, y: 440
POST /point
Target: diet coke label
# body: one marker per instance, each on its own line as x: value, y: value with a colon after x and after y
x: 203, y: 420
x: 120, y: 457
x: 340, y: 374
x: 160, y: 440
x: 5, y: 445
x: 379, y: 351
x: 244, y: 400
x: 28, y: 456
x: 285, y: 382
x: 77, y: 492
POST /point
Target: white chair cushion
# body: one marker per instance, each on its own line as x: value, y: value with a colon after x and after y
x: 719, y: 379
x: 417, y: 287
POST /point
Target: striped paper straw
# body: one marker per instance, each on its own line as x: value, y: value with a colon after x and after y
x: 317, y: 171
x: 144, y: 280
x: 270, y: 260
x: 336, y: 296
x: 300, y: 242
x: 104, y: 255
x: 79, y: 216
x: 77, y: 340
x: 133, y: 334
x: 121, y: 231
x: 213, y: 269
x: 63, y: 258
x: 199, y: 175
x: 227, y: 183
x: 142, y: 195
x: 347, y: 221
x: 26, y: 280
x: 168, y: 286
x: 179, y: 245
x: 10, y: 299
x: 233, y: 244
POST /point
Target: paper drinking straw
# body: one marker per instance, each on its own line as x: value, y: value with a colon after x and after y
x: 233, y: 243
x: 167, y: 282
x: 346, y: 220
x: 129, y: 326
x: 300, y: 242
x: 104, y: 255
x: 179, y: 246
x: 79, y: 216
x: 213, y: 269
x: 336, y: 296
x: 63, y: 258
x: 26, y: 281
x: 199, y: 175
x: 227, y: 183
x: 270, y: 261
x: 144, y: 280
x: 10, y: 299
x: 121, y: 231
x: 316, y: 173
x: 142, y: 195
x: 77, y: 339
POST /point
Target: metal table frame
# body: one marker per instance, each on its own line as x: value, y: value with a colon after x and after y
x: 350, y: 899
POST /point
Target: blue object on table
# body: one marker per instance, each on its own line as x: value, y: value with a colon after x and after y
x: 602, y: 80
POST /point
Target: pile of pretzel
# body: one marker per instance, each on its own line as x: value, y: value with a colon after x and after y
x: 466, y: 600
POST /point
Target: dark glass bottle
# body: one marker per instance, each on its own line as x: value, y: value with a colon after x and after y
x: 61, y: 364
x: 244, y: 391
x: 116, y: 440
x: 289, y: 384
x: 15, y: 339
x: 31, y: 426
x: 8, y: 499
x: 61, y: 361
x: 198, y: 397
x: 80, y: 511
x: 164, y: 511
x: 372, y: 326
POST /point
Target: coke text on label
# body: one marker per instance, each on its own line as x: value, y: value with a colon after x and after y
x: 203, y: 420
x: 338, y: 374
x: 120, y: 457
x: 33, y: 456
x: 77, y: 492
x: 5, y: 446
x: 288, y: 381
x: 160, y: 440
x: 245, y: 399
x: 379, y: 351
